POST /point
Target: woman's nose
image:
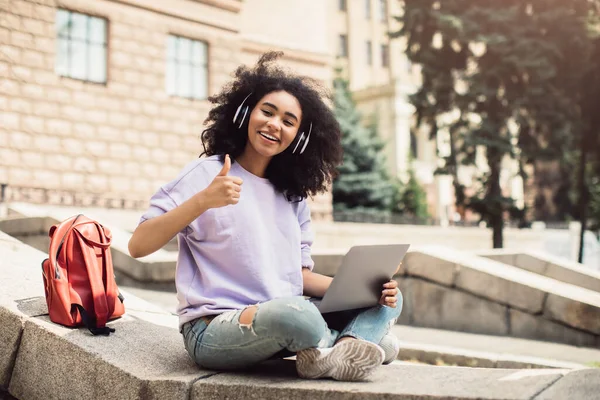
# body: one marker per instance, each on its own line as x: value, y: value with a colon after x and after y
x: 273, y: 124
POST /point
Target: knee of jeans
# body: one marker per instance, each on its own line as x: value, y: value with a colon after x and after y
x: 298, y: 321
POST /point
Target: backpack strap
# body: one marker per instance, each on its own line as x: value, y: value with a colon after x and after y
x: 101, y: 310
x: 56, y: 245
x: 112, y: 292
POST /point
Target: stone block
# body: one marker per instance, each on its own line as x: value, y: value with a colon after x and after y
x: 503, y: 258
x: 569, y: 271
x: 140, y: 360
x: 430, y: 267
x: 20, y: 270
x: 504, y: 291
x: 537, y: 327
x: 583, y: 277
x: 328, y: 262
x: 530, y: 263
x: 577, y: 314
x: 277, y: 380
x: 445, y: 357
x: 26, y: 226
x: 579, y: 384
x: 405, y: 315
x: 11, y: 327
x: 434, y: 306
x: 39, y: 242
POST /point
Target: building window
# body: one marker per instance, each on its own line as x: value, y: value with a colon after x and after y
x: 80, y: 46
x: 343, y: 46
x: 382, y: 10
x: 368, y: 9
x: 385, y: 55
x: 369, y: 49
x: 414, y: 150
x: 187, y: 68
x: 342, y: 5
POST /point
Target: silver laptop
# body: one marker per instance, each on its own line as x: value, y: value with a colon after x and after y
x: 359, y: 280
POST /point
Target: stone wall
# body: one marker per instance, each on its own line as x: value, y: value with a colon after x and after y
x: 68, y: 141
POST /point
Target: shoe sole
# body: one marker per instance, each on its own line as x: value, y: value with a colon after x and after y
x: 350, y: 360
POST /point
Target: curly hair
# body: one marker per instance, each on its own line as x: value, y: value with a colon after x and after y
x: 294, y: 175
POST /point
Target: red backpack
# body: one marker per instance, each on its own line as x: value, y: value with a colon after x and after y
x: 78, y: 276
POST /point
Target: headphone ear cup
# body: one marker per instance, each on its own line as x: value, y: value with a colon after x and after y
x: 299, y: 143
x: 240, y: 116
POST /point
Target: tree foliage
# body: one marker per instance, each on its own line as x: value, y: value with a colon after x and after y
x: 500, y: 76
x: 363, y: 184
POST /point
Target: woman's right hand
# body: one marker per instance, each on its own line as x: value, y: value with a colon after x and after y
x: 224, y: 189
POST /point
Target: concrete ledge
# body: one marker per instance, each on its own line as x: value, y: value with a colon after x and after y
x: 445, y: 355
x: 448, y: 289
x: 145, y: 359
x: 547, y: 265
x: 157, y: 268
x: 10, y: 337
x: 277, y: 381
x: 141, y: 360
x: 33, y: 230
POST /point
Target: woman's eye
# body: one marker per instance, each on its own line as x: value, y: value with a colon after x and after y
x: 267, y: 113
x: 288, y: 123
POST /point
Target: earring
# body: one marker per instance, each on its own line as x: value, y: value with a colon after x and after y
x: 241, y: 109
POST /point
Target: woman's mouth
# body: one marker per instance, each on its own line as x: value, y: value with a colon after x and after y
x: 268, y: 137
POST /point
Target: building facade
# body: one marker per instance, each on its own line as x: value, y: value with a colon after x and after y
x: 381, y: 78
x: 102, y: 101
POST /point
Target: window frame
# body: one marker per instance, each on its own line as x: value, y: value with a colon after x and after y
x: 88, y: 42
x: 369, y: 50
x: 383, y: 11
x: 174, y: 64
x: 342, y: 45
x: 385, y: 55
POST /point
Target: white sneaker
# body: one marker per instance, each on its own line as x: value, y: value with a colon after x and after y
x: 349, y: 360
x: 391, y: 348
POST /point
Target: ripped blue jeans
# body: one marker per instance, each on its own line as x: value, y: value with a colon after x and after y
x: 280, y: 328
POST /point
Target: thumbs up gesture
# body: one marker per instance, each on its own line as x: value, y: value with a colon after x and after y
x: 224, y: 189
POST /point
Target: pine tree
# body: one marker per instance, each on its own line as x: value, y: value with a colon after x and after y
x: 363, y: 184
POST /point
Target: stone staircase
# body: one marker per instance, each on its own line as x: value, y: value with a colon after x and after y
x: 443, y: 288
x: 145, y: 358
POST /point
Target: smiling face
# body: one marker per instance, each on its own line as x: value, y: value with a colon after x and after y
x: 273, y: 124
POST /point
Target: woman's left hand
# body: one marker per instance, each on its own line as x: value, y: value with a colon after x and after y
x: 389, y: 293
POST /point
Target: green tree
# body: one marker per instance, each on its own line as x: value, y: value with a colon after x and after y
x: 410, y: 199
x: 493, y: 73
x: 363, y: 184
x: 589, y: 131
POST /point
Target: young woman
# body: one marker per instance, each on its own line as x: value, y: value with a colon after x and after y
x: 243, y: 226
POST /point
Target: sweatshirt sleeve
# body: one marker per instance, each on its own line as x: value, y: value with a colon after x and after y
x: 160, y: 203
x: 306, y: 235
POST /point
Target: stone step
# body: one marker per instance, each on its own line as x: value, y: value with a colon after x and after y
x: 440, y: 347
x: 145, y: 359
x: 443, y: 288
x: 547, y: 265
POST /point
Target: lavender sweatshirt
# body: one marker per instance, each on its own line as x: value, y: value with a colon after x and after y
x: 237, y: 255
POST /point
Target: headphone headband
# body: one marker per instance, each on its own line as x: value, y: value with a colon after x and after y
x: 242, y: 111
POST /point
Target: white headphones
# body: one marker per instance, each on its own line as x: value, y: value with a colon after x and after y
x: 242, y: 111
